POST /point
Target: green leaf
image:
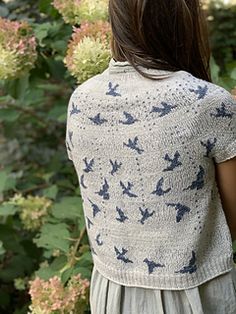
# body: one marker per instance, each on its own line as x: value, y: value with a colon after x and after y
x: 2, y: 250
x: 46, y: 273
x: 66, y: 275
x: 7, y: 209
x: 10, y: 183
x: 68, y: 208
x: 233, y: 74
x: 3, y: 180
x: 54, y: 237
x: 17, y: 266
x: 8, y: 114
x: 41, y: 32
x: 85, y: 259
x: 51, y: 192
x: 84, y: 271
x: 59, y: 262
x: 18, y: 87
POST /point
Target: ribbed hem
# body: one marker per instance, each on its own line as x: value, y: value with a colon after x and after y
x: 207, y: 272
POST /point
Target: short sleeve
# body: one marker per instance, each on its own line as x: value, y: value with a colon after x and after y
x: 222, y: 123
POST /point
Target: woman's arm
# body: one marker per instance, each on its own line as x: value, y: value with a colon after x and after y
x: 226, y: 181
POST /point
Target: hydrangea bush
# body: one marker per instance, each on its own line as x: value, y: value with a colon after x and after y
x: 17, y: 49
x: 32, y: 210
x: 52, y: 297
x: 89, y: 50
x: 78, y: 11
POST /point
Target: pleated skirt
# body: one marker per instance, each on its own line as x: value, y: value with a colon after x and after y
x: 216, y: 296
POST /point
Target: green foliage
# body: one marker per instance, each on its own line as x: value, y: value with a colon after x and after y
x: 222, y: 27
x: 32, y: 152
x: 34, y: 167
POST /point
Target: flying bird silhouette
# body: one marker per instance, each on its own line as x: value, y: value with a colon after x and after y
x: 174, y: 162
x: 151, y: 265
x: 129, y: 119
x: 166, y: 109
x: 209, y: 145
x: 126, y: 190
x: 121, y: 255
x: 201, y: 91
x: 199, y: 182
x: 145, y: 214
x: 70, y: 137
x: 133, y: 145
x: 181, y: 210
x: 115, y: 166
x: 122, y: 216
x: 82, y: 182
x: 88, y: 165
x: 74, y: 110
x: 159, y: 191
x: 95, y: 208
x: 99, y: 242
x: 191, y: 267
x: 104, y: 190
x: 89, y: 222
x: 97, y: 119
x: 113, y: 90
x: 222, y: 112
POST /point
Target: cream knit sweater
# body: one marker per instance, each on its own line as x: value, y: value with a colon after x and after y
x: 144, y: 153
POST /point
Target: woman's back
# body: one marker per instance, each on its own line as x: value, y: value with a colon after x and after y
x: 145, y: 154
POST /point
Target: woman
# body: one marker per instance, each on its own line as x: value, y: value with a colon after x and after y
x: 153, y: 142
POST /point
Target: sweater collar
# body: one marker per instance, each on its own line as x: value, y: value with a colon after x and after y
x: 125, y: 66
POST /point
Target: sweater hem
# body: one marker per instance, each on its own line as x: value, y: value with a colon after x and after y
x: 176, y: 282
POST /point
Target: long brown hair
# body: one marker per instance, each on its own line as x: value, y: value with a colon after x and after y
x: 167, y: 35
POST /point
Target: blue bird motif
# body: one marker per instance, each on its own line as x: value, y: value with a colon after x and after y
x: 113, y: 90
x: 70, y: 137
x: 68, y: 146
x: 151, y: 265
x: 129, y: 119
x: 222, y: 112
x: 200, y: 91
x: 145, y: 214
x: 115, y: 166
x: 121, y: 255
x: 88, y: 165
x: 74, y: 110
x: 97, y: 119
x: 104, y: 191
x: 82, y: 182
x: 95, y: 208
x: 133, y: 145
x: 199, y: 182
x: 174, y: 162
x: 89, y: 222
x: 122, y: 216
x: 99, y: 242
x: 126, y: 190
x: 166, y: 109
x: 181, y: 210
x: 209, y: 145
x: 159, y: 191
x: 191, y: 268
x: 92, y: 250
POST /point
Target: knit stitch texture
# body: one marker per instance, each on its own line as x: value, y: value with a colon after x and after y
x: 144, y: 152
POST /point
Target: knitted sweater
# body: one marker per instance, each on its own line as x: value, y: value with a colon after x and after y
x: 144, y: 152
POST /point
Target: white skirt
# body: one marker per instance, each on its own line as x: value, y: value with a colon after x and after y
x: 217, y: 296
